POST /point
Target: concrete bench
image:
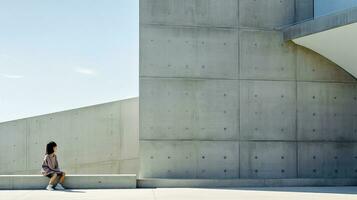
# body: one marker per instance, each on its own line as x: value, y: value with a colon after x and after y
x: 100, y: 181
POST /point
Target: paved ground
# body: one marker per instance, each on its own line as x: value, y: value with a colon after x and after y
x: 305, y: 193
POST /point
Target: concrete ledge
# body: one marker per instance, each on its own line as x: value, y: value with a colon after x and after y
x: 219, y: 183
x: 320, y: 24
x: 110, y: 181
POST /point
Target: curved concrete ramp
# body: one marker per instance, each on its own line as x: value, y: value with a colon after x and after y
x: 333, y: 36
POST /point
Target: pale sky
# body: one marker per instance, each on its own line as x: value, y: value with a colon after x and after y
x: 62, y: 54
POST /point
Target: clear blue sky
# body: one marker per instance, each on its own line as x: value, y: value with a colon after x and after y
x: 58, y: 55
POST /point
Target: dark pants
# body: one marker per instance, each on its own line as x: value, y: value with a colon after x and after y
x: 58, y: 174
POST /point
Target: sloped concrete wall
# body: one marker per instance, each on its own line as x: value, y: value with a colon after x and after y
x: 223, y: 96
x: 100, y: 139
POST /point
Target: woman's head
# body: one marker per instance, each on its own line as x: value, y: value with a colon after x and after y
x: 51, y: 148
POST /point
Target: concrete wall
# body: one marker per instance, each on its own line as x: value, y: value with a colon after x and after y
x: 97, y: 139
x: 325, y: 7
x: 223, y: 96
x: 304, y: 10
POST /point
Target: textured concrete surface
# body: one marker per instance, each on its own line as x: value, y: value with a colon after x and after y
x: 189, y: 13
x: 327, y: 159
x: 328, y: 193
x: 241, y: 182
x: 187, y: 159
x: 265, y: 55
x: 315, y: 68
x: 332, y: 36
x: 327, y: 112
x: 101, y: 139
x: 258, y: 101
x: 110, y: 181
x: 268, y: 14
x: 223, y: 95
x: 197, y: 49
x: 336, y: 44
x: 268, y: 159
x: 194, y: 103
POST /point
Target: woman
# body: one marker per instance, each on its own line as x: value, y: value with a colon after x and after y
x: 51, y: 169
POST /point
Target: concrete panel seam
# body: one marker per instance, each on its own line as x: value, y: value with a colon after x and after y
x: 27, y: 132
x: 187, y: 26
x: 296, y: 108
x: 197, y: 78
x: 275, y: 29
x: 239, y: 109
x: 327, y: 81
x: 240, y: 140
x: 184, y: 78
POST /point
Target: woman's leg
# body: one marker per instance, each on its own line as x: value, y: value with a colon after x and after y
x: 62, y: 178
x: 53, y: 179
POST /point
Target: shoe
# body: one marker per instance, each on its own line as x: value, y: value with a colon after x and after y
x: 50, y: 188
x: 59, y: 187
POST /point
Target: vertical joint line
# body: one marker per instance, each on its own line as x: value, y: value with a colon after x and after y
x: 239, y: 86
x: 26, y: 144
x: 296, y: 111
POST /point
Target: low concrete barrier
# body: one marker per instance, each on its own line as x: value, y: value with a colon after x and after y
x: 107, y: 181
x: 222, y: 183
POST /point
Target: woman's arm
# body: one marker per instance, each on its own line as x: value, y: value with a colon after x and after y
x: 47, y: 169
x: 57, y: 165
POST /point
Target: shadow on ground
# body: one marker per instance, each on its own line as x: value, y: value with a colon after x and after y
x: 71, y: 191
x: 330, y: 190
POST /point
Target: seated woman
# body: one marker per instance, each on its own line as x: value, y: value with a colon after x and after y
x: 51, y: 169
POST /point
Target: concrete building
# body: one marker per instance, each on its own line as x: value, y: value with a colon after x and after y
x: 224, y: 96
x: 232, y: 93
